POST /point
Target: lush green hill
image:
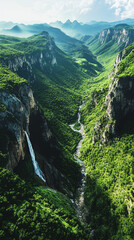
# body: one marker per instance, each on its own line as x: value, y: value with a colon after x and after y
x: 69, y: 45
x: 55, y: 79
x: 55, y: 88
x: 109, y: 193
x: 111, y: 40
x: 28, y: 211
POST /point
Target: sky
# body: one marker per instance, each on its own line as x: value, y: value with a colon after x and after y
x: 46, y: 11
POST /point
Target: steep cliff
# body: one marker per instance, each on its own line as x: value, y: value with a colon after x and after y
x: 14, y: 120
x: 111, y: 40
x: 119, y: 102
x: 122, y: 34
x: 20, y: 112
x: 28, y: 55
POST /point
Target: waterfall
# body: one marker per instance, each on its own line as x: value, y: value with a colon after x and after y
x: 35, y: 164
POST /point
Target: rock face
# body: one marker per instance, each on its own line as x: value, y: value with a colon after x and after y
x: 122, y: 35
x: 25, y: 64
x: 119, y: 105
x: 22, y: 113
x: 15, y: 119
x: 120, y: 99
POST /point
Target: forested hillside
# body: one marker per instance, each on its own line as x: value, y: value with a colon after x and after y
x: 108, y: 152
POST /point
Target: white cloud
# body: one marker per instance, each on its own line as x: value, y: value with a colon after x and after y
x: 43, y: 10
x: 123, y: 8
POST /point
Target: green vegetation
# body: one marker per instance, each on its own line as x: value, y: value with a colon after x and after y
x: 109, y: 189
x: 109, y: 193
x: 9, y: 81
x: 55, y: 90
x: 111, y: 41
x: 28, y: 212
x: 77, y: 126
x: 126, y: 67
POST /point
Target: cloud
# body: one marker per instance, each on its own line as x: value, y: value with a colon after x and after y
x: 43, y: 10
x: 123, y: 8
x: 71, y: 9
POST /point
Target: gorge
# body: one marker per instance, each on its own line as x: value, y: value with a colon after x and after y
x: 45, y: 162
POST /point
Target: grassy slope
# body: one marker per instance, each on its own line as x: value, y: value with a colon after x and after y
x: 109, y: 189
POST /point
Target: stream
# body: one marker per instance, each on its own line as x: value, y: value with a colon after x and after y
x: 81, y: 210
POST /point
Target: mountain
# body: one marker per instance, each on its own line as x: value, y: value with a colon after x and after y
x: 8, y: 25
x: 112, y: 40
x: 65, y: 42
x: 70, y: 46
x: 55, y: 79
x: 108, y: 117
x: 38, y: 94
x: 16, y: 29
x: 77, y: 30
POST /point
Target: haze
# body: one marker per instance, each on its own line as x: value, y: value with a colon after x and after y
x: 40, y: 11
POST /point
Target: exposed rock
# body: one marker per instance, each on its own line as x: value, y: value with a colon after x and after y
x: 23, y: 114
x: 25, y: 64
x: 119, y: 104
x: 15, y: 119
x: 123, y: 36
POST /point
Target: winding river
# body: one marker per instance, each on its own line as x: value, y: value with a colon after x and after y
x: 81, y: 210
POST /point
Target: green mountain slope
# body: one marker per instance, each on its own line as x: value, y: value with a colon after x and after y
x: 69, y: 45
x: 55, y: 78
x: 108, y: 154
x: 111, y: 40
x: 28, y: 211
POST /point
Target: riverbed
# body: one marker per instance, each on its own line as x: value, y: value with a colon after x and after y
x: 81, y: 210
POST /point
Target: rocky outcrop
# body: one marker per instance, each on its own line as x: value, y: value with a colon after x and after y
x: 120, y: 100
x: 25, y: 64
x: 120, y: 34
x: 21, y: 113
x: 119, y: 104
x: 14, y: 120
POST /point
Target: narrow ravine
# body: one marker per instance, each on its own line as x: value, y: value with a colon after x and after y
x: 81, y: 210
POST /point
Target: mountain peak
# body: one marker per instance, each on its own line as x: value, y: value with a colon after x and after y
x: 75, y: 21
x: 16, y: 28
x: 68, y: 21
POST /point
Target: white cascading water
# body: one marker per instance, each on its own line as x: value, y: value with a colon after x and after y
x: 35, y: 164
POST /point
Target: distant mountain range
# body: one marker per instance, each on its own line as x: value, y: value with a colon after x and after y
x: 71, y: 46
x: 73, y: 29
x: 76, y: 29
